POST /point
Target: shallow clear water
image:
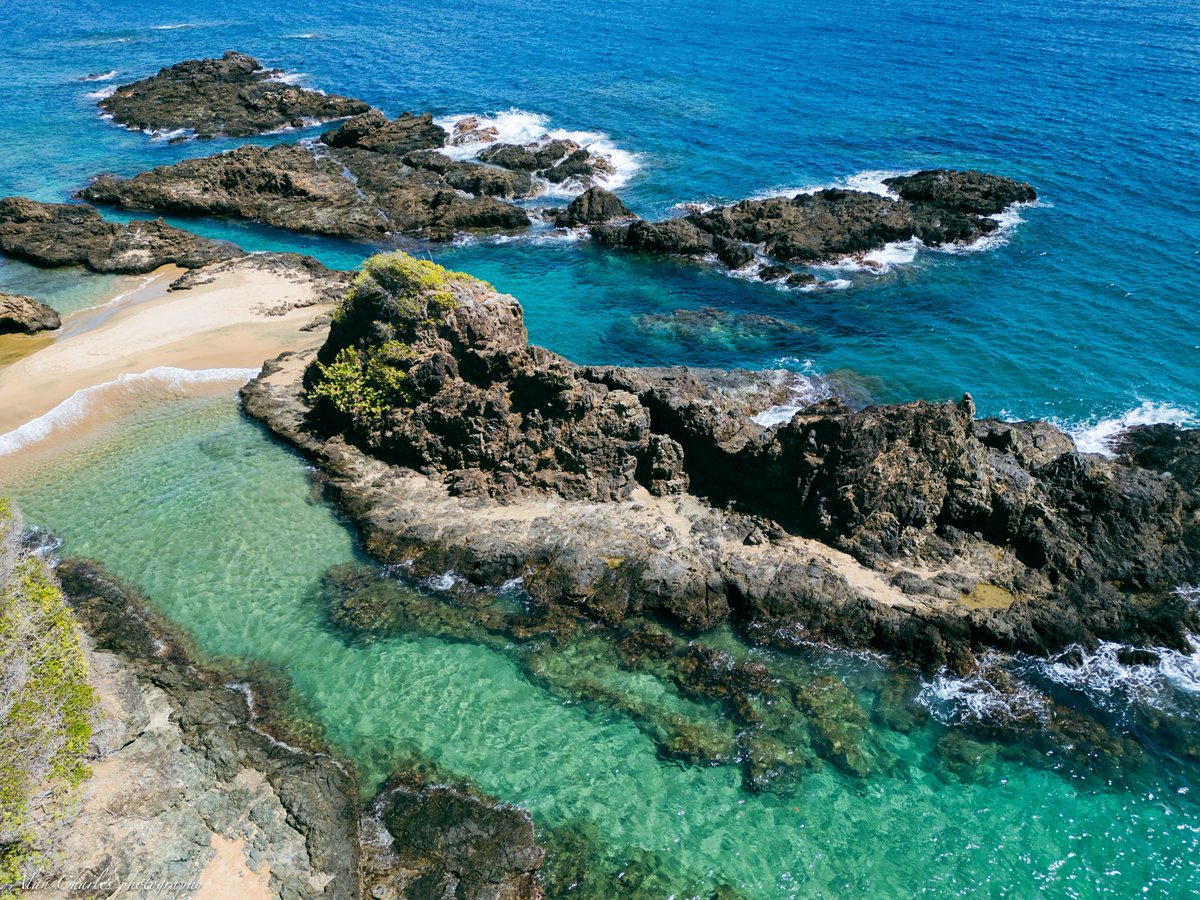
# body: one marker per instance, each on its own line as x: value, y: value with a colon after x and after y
x: 218, y: 524
x: 1089, y: 311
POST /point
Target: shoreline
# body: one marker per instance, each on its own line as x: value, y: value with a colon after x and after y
x: 168, y: 334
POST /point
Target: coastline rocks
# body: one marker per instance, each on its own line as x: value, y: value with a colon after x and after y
x: 936, y: 206
x: 557, y: 160
x: 188, y: 784
x: 372, y: 131
x: 24, y: 315
x: 449, y: 841
x: 340, y: 192
x: 63, y: 234
x: 593, y: 206
x: 233, y: 96
x: 910, y: 528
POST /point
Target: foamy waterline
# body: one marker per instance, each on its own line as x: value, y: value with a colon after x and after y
x: 1098, y: 435
x: 76, y: 408
x: 808, y: 387
x: 521, y: 127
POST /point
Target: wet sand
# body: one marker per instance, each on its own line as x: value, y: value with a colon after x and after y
x: 151, y: 341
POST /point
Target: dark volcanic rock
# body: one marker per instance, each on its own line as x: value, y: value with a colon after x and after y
x: 24, y: 315
x: 227, y: 744
x: 233, y: 96
x: 593, y: 206
x: 452, y: 842
x: 358, y: 194
x: 911, y: 528
x: 938, y: 206
x: 63, y: 234
x: 1164, y: 448
x: 373, y: 131
x: 369, y: 178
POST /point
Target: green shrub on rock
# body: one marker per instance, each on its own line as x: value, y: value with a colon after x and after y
x: 46, y: 702
x: 363, y: 369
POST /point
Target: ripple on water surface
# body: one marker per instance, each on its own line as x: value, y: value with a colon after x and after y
x: 220, y: 526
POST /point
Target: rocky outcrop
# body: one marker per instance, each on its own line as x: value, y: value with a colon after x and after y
x: 358, y: 185
x: 912, y: 528
x: 64, y: 234
x: 445, y: 840
x: 24, y: 315
x: 557, y: 160
x: 593, y: 206
x: 233, y: 96
x: 938, y: 206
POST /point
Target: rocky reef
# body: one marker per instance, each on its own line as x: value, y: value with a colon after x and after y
x: 68, y: 234
x: 24, y: 315
x: 234, y: 96
x: 937, y: 206
x: 913, y: 528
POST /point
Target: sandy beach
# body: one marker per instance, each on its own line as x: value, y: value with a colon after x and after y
x: 153, y: 340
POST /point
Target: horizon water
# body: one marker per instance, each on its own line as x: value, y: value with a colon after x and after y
x: 1085, y: 311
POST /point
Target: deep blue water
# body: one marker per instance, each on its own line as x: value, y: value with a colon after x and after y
x: 1089, y: 310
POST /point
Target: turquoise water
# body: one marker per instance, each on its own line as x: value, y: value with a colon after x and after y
x: 1085, y: 312
x: 1089, y: 311
x: 220, y: 527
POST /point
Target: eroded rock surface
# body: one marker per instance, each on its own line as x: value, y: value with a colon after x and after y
x: 367, y: 182
x: 24, y: 315
x: 66, y: 234
x: 233, y: 96
x: 912, y: 528
x: 938, y: 206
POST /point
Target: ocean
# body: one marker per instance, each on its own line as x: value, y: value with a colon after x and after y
x: 1084, y: 309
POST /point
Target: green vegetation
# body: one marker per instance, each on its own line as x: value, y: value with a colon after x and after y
x: 46, y: 703
x: 391, y: 300
x: 362, y: 385
x: 405, y: 288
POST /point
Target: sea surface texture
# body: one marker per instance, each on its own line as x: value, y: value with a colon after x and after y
x: 1083, y: 309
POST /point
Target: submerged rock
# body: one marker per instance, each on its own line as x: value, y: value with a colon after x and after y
x: 450, y: 841
x: 622, y: 490
x: 938, y: 206
x: 65, y: 234
x: 24, y: 315
x: 233, y: 96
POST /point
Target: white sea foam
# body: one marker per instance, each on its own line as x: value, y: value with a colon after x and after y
x: 101, y: 76
x: 951, y: 699
x: 444, y: 582
x: 518, y: 126
x: 1096, y: 436
x: 75, y: 408
x: 870, y: 181
x: 1008, y: 218
x: 287, y: 77
x: 808, y: 387
x: 102, y: 93
x: 173, y: 27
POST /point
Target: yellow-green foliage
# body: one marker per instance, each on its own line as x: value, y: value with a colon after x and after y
x: 364, y: 384
x: 392, y: 296
x: 46, y: 703
x: 416, y: 289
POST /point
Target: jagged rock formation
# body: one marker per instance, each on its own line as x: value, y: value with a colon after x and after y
x: 912, y: 528
x: 937, y: 206
x: 364, y: 183
x: 24, y: 315
x: 233, y: 96
x: 65, y: 234
x: 593, y: 206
